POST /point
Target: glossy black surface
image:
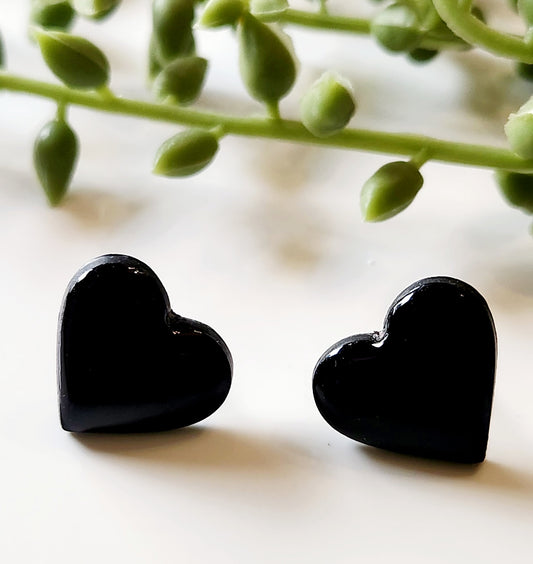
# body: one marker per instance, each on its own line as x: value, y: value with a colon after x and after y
x: 423, y: 385
x: 126, y: 362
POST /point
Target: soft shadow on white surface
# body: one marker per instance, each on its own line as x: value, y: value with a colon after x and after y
x: 286, y: 167
x: 225, y: 450
x: 295, y: 234
x: 95, y: 209
x: 515, y: 277
x: 487, y: 475
x: 491, y: 88
x: 15, y: 184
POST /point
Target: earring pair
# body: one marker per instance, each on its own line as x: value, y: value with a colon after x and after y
x: 422, y: 386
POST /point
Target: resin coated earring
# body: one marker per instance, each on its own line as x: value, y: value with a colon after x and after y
x: 126, y: 361
x: 424, y: 384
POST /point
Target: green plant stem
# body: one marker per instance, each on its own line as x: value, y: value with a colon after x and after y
x: 421, y: 158
x: 360, y: 26
x: 273, y: 110
x: 61, y: 111
x: 456, y: 14
x: 324, y: 20
x: 282, y: 129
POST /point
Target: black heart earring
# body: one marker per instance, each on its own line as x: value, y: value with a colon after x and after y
x: 126, y: 361
x: 423, y: 385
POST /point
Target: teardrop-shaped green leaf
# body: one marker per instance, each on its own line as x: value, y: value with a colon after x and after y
x: 421, y: 55
x: 73, y: 59
x: 186, y: 153
x: 95, y: 9
x: 519, y: 130
x: 328, y: 106
x: 517, y: 189
x: 172, y: 29
x: 397, y: 27
x: 267, y: 65
x: 52, y: 14
x: 181, y: 80
x: 219, y: 13
x: 268, y: 8
x: 390, y: 190
x: 55, y: 153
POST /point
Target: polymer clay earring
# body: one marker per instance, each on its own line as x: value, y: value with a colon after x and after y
x: 126, y: 361
x: 424, y: 384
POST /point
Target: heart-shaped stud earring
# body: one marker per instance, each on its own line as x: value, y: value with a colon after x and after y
x: 423, y: 385
x: 126, y: 361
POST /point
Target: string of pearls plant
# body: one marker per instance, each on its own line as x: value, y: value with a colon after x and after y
x: 419, y: 28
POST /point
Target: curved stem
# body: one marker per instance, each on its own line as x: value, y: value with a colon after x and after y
x: 457, y: 16
x: 282, y: 129
x: 455, y: 13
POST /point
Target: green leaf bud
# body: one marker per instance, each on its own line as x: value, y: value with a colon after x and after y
x: 95, y: 9
x: 267, y: 65
x: 219, y: 13
x: 397, y: 27
x: 74, y: 60
x: 390, y: 190
x: 55, y: 153
x: 519, y: 130
x: 268, y: 8
x: 172, y: 29
x: 517, y: 189
x: 186, y: 153
x: 181, y: 80
x: 328, y: 106
x: 52, y: 14
x: 420, y: 55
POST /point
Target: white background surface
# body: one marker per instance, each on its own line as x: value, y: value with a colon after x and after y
x: 268, y: 247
